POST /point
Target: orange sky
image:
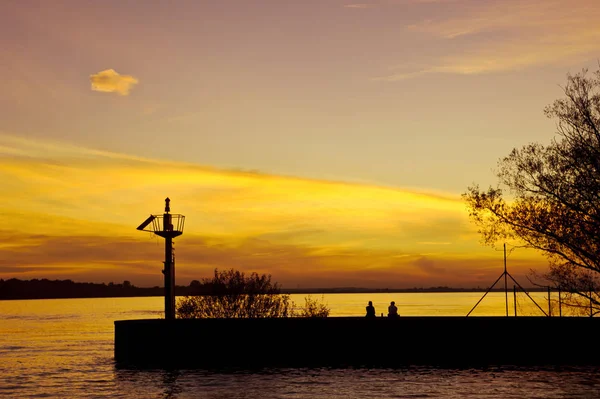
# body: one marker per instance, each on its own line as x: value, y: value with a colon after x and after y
x: 326, y: 143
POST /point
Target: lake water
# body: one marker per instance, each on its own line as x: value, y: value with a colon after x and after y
x: 64, y: 349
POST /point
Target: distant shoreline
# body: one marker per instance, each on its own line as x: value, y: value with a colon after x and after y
x: 394, y: 290
x: 15, y: 289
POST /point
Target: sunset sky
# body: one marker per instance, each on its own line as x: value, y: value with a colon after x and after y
x: 324, y: 142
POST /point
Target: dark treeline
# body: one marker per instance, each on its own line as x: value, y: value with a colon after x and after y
x: 54, y: 289
x: 50, y: 289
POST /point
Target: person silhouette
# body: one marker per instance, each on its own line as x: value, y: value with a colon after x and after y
x: 370, y: 310
x: 393, y: 310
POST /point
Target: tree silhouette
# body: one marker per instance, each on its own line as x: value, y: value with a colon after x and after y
x: 548, y: 196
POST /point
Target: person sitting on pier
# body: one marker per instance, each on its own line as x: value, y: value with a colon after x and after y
x: 370, y: 310
x: 393, y: 310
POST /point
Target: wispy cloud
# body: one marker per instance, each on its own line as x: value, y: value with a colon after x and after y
x: 358, y: 5
x: 510, y: 35
x: 109, y: 81
x: 392, y: 3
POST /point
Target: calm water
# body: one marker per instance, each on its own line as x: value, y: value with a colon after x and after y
x: 64, y: 349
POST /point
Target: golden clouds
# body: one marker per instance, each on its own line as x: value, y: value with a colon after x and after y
x: 74, y: 210
x: 109, y: 81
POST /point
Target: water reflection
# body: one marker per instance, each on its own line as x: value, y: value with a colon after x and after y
x: 134, y: 383
x: 348, y: 383
x: 170, y: 384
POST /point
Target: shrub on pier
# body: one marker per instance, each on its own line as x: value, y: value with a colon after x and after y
x: 232, y: 294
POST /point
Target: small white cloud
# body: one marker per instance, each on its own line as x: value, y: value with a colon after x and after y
x: 109, y: 81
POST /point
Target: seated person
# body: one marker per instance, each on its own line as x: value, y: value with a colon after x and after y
x: 393, y: 310
x: 370, y: 310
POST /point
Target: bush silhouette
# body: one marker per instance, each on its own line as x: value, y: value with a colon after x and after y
x: 232, y: 294
x: 313, y: 308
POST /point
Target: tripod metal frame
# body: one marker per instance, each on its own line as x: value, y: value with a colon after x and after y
x: 506, y: 274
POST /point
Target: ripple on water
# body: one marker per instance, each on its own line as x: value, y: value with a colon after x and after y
x: 70, y: 355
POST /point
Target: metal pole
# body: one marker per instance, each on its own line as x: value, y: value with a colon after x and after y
x: 515, y: 298
x: 505, y: 281
x: 481, y: 299
x: 169, y: 267
x: 169, y: 283
x: 528, y: 296
x: 559, y: 303
x: 549, y: 303
x: 591, y: 310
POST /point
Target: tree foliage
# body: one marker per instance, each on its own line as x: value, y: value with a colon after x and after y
x: 548, y: 196
x: 230, y: 293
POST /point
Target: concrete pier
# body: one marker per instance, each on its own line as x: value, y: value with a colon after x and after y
x: 357, y: 341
